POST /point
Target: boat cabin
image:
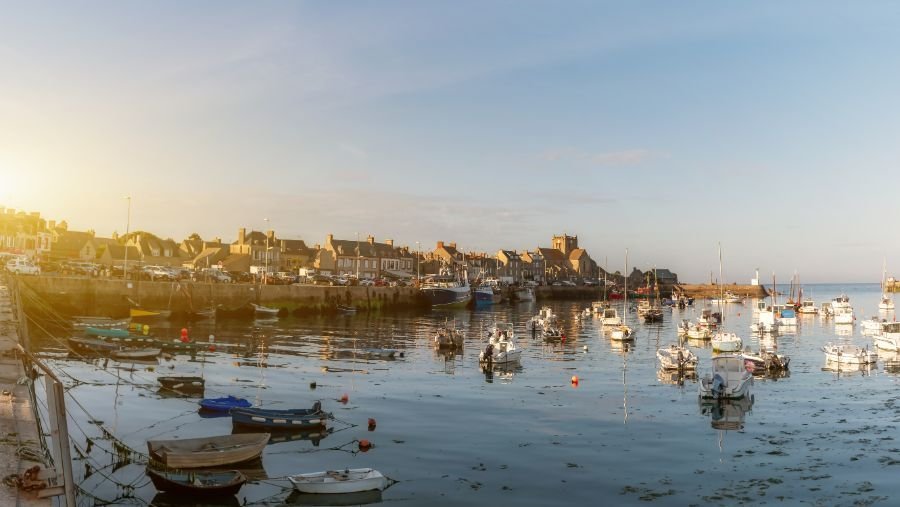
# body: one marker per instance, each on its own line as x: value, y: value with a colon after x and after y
x: 732, y: 370
x: 889, y: 328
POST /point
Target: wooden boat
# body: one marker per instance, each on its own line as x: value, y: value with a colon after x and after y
x: 264, y: 310
x: 200, y: 483
x: 91, y: 345
x: 182, y: 384
x: 303, y: 419
x: 351, y: 480
x: 138, y: 313
x: 223, y: 404
x: 208, y: 451
x: 125, y: 354
x: 83, y: 321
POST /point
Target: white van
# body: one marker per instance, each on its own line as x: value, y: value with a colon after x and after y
x: 22, y: 266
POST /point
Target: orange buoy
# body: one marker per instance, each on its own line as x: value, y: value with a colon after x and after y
x: 184, y: 335
x: 345, y: 398
x: 575, y: 379
x: 364, y: 445
x: 371, y: 424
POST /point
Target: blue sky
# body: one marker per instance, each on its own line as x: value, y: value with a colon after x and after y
x: 661, y: 127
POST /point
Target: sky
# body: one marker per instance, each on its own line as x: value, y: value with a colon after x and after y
x: 664, y: 128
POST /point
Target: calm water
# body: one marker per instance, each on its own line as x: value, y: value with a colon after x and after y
x: 452, y: 434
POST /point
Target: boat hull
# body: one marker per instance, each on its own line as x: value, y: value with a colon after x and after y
x: 198, y: 484
x: 292, y: 420
x: 447, y: 297
x: 333, y: 482
x: 208, y: 452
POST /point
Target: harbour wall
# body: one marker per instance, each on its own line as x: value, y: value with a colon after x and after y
x: 110, y: 297
x: 706, y: 290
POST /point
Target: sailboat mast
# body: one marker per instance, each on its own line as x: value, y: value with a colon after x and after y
x: 721, y: 294
x: 625, y: 300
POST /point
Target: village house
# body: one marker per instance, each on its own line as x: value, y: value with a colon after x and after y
x: 566, y: 261
x: 155, y: 251
x: 24, y: 233
x: 480, y: 265
x: 509, y: 266
x: 260, y: 248
x: 533, y: 266
x: 295, y: 255
x: 366, y: 259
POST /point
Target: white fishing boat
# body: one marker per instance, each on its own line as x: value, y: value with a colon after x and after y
x: 676, y: 357
x: 872, y: 326
x: 889, y: 337
x: 266, y: 311
x: 729, y: 379
x: 727, y: 342
x: 611, y: 317
x: 842, y: 301
x: 697, y: 332
x: 765, y: 361
x: 709, y: 319
x: 727, y: 298
x: 542, y: 319
x: 351, y: 480
x: 844, y: 315
x: 846, y: 354
x: 785, y: 315
x: 808, y: 307
x: 501, y: 348
x: 766, y: 322
x: 827, y: 310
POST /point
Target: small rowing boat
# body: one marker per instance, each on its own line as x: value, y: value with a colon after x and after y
x: 223, y: 404
x: 304, y: 419
x: 209, y: 451
x: 182, y: 384
x: 198, y: 484
x: 351, y: 480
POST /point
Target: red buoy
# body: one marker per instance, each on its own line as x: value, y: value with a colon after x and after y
x: 345, y: 398
x: 212, y: 348
x: 574, y: 380
x: 371, y: 424
x: 184, y: 335
x: 364, y: 445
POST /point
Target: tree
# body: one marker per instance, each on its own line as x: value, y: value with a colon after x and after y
x: 194, y: 236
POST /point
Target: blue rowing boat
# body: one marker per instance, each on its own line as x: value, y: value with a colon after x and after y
x: 296, y: 419
x: 223, y: 404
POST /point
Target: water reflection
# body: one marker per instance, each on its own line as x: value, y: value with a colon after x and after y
x: 727, y: 415
x: 843, y: 329
x: 173, y: 500
x: 673, y: 377
x: 358, y: 498
x: 848, y: 369
x: 503, y: 372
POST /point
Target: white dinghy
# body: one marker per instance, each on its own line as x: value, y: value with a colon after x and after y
x: 351, y: 480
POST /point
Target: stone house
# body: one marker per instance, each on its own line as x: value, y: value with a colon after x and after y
x: 509, y: 266
x: 533, y: 266
x: 261, y: 249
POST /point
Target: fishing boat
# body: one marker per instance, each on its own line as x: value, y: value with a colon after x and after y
x: 765, y: 321
x: 199, y: 483
x: 223, y: 404
x: 698, y: 332
x: 889, y: 337
x: 872, y: 326
x: 849, y: 354
x: 208, y: 452
x: 844, y: 315
x: 84, y: 321
x: 842, y: 301
x: 182, y: 384
x: 301, y: 419
x: 125, y: 354
x: 445, y: 290
x: 765, y: 361
x: 544, y: 317
x: 726, y: 298
x: 611, y: 317
x: 827, y: 310
x: 264, y: 311
x: 484, y: 295
x: 808, y: 307
x: 727, y: 342
x: 351, y: 480
x: 709, y: 318
x: 448, y: 336
x: 676, y: 357
x: 786, y: 315
x: 729, y: 379
x: 501, y: 348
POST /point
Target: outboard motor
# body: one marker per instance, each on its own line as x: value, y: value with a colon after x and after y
x: 718, y: 386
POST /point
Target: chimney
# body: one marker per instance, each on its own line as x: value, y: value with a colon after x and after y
x: 453, y: 245
x: 217, y: 240
x: 440, y: 244
x: 317, y: 247
x: 242, y: 235
x: 329, y: 239
x: 371, y: 239
x: 271, y: 235
x: 389, y: 242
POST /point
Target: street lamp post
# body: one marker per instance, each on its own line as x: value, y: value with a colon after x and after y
x: 266, y: 268
x: 418, y: 262
x: 127, y: 229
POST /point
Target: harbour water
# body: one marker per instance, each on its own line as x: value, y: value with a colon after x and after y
x: 453, y: 434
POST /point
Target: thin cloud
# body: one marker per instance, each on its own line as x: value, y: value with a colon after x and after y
x: 619, y: 158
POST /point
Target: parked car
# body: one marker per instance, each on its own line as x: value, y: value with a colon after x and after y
x: 215, y: 275
x: 22, y: 266
x: 322, y: 280
x: 158, y: 273
x: 568, y: 283
x: 367, y: 282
